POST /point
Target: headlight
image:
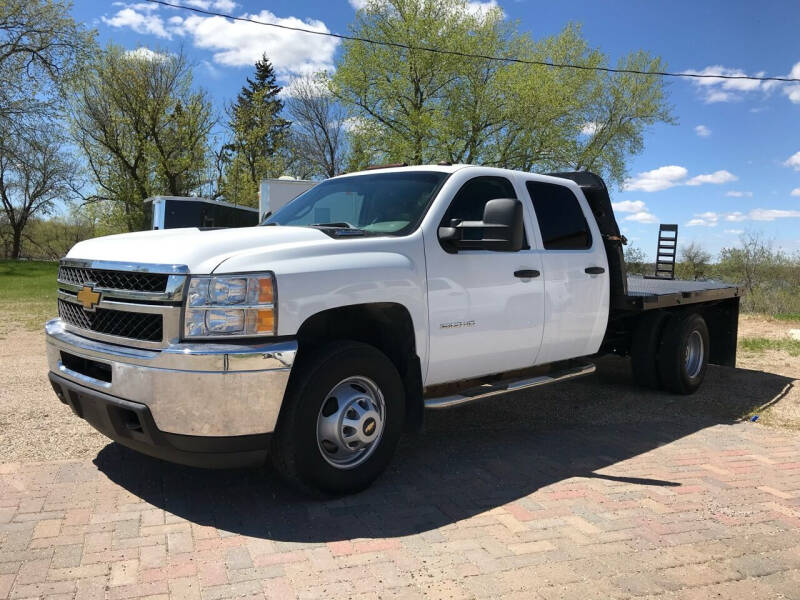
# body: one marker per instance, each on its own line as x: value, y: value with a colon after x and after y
x: 234, y: 306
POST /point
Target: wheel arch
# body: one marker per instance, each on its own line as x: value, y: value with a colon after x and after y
x: 387, y: 326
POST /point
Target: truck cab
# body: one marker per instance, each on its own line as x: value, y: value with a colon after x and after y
x: 322, y: 334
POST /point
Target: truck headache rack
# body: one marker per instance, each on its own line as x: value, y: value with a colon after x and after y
x: 666, y: 252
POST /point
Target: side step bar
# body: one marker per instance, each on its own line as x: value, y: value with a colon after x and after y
x: 511, y: 385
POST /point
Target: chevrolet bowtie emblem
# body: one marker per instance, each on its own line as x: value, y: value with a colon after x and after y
x: 88, y: 297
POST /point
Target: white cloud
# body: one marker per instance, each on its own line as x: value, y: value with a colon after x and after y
x: 140, y: 19
x: 702, y: 131
x: 730, y: 90
x: 706, y: 219
x: 481, y: 9
x: 590, y: 128
x: 792, y: 91
x: 658, y: 179
x: 237, y: 43
x: 628, y: 206
x: 144, y: 53
x: 358, y: 4
x: 669, y: 176
x: 735, y: 231
x: 795, y: 192
x: 793, y: 161
x: 738, y: 194
x: 716, y: 177
x: 710, y: 219
x: 642, y: 217
x: 763, y: 214
x: 718, y: 89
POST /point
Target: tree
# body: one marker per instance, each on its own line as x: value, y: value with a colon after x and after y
x: 35, y: 173
x: 259, y: 135
x: 41, y: 47
x: 318, y: 126
x: 419, y: 106
x: 694, y: 261
x: 143, y: 129
x: 635, y: 260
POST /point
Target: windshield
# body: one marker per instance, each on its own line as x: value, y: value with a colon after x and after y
x: 376, y: 203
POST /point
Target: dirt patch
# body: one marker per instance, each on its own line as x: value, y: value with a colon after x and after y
x: 34, y: 425
x: 757, y: 326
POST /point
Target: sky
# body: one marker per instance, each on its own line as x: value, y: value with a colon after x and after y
x: 730, y: 165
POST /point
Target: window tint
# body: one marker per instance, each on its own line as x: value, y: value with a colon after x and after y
x: 560, y: 217
x: 472, y: 197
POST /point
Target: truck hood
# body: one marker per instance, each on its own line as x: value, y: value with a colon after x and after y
x: 201, y: 250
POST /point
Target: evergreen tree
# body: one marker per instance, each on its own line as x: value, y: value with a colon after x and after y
x: 259, y: 135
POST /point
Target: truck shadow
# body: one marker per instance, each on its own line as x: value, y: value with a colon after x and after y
x: 470, y: 459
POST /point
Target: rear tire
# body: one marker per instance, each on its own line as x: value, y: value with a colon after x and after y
x: 341, y: 420
x: 645, y: 347
x: 683, y: 355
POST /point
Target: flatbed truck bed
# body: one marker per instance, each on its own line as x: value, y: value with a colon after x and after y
x: 652, y: 293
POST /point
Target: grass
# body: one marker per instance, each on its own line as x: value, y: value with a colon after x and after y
x: 27, y: 294
x: 787, y: 317
x: 760, y: 344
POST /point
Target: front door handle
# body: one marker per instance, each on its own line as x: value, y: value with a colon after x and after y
x: 594, y: 270
x: 526, y: 273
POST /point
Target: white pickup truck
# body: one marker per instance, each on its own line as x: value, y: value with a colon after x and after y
x: 321, y: 335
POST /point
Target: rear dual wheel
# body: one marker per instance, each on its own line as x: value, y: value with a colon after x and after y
x: 670, y: 351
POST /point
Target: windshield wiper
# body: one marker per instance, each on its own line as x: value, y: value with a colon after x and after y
x: 339, y: 228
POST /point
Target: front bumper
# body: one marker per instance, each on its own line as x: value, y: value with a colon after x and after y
x: 213, y: 392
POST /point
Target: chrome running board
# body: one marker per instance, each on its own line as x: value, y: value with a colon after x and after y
x: 510, y: 385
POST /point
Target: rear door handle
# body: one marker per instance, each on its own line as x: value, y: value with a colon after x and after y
x: 526, y: 273
x: 594, y: 270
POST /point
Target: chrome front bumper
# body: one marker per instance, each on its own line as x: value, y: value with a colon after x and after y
x: 199, y: 389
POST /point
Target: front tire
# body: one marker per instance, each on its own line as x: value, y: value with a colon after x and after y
x: 683, y: 356
x: 342, y: 418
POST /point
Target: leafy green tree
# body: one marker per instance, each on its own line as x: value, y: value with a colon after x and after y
x: 418, y: 106
x: 36, y: 172
x: 143, y: 128
x: 41, y: 49
x: 257, y: 149
x: 694, y: 262
x: 635, y: 260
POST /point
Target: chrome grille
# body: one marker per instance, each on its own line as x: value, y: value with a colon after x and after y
x: 147, y: 327
x: 116, y: 280
x: 140, y: 304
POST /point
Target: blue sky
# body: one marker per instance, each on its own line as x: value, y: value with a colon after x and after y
x: 731, y: 164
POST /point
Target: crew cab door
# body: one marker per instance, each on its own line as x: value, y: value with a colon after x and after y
x: 575, y: 272
x: 485, y: 307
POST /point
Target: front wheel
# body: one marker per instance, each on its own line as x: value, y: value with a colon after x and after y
x: 683, y: 355
x: 342, y: 419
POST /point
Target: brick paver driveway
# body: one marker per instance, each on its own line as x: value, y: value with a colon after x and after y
x: 642, y: 494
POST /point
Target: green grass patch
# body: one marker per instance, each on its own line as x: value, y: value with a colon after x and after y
x: 27, y: 294
x: 760, y: 344
x: 788, y: 317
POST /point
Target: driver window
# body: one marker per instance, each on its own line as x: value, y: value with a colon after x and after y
x: 470, y: 200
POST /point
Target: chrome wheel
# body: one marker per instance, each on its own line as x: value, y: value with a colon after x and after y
x: 351, y: 422
x: 694, y: 354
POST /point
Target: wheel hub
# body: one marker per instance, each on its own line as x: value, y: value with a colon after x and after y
x: 694, y: 354
x: 350, y: 422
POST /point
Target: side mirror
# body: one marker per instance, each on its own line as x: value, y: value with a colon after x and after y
x: 501, y: 229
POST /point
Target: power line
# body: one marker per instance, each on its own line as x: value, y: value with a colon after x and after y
x: 505, y: 59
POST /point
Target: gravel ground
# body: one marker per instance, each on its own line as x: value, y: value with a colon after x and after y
x: 34, y: 426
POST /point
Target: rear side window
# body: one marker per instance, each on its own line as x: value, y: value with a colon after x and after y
x: 560, y: 217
